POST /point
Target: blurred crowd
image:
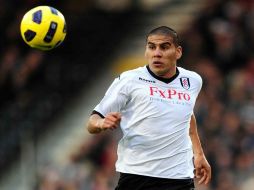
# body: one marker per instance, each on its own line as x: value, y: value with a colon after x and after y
x: 36, y: 85
x: 219, y: 45
x: 17, y: 65
x: 225, y: 108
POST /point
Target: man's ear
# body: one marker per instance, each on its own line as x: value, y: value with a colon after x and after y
x: 179, y: 53
x: 145, y: 54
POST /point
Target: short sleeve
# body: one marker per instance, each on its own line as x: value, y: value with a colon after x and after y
x: 115, y: 97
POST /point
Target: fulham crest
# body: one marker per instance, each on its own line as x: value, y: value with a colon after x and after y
x: 185, y: 82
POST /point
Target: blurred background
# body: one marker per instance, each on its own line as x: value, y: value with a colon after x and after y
x: 46, y: 97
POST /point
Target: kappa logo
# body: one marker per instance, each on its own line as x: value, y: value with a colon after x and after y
x: 146, y: 80
x: 185, y: 82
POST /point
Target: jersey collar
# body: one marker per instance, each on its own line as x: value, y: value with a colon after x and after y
x: 166, y: 80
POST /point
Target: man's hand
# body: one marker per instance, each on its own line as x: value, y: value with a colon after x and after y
x: 97, y: 124
x: 111, y: 121
x: 202, y: 169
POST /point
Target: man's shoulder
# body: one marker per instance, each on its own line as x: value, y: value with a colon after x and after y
x: 189, y: 74
x: 124, y: 80
x: 131, y: 74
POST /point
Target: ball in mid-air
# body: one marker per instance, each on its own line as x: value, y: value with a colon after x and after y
x: 43, y: 28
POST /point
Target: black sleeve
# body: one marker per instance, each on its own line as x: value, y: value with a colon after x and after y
x: 98, y: 113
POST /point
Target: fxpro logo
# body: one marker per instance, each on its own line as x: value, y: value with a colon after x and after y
x: 169, y: 94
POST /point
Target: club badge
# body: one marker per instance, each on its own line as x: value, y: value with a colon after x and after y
x: 185, y: 82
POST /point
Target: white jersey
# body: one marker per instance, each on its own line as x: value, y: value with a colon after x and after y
x: 155, y: 122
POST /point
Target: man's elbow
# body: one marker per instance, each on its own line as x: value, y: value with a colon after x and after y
x: 92, y: 124
x: 92, y: 130
x: 89, y: 130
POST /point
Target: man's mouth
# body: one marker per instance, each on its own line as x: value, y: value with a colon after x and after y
x: 157, y: 63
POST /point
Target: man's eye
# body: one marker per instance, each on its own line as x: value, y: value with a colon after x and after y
x: 151, y: 47
x: 164, y: 47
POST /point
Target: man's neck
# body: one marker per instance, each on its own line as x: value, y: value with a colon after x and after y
x: 164, y: 79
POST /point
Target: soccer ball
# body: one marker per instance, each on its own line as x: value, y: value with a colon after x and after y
x: 43, y: 28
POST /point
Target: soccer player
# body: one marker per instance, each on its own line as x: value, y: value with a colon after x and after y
x: 153, y: 105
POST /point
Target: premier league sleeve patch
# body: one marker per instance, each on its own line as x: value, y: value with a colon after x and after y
x: 185, y: 82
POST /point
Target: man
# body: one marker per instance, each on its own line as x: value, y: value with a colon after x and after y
x: 153, y: 106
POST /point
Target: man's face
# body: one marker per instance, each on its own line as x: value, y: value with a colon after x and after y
x: 162, y: 55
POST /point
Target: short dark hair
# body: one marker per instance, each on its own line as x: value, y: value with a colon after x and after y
x: 167, y: 31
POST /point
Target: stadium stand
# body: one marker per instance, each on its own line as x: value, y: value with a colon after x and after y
x: 218, y: 44
x: 35, y: 85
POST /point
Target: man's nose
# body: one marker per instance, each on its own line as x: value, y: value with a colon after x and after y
x: 157, y: 52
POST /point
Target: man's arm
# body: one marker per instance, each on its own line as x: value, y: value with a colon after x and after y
x: 202, y: 167
x: 97, y: 124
